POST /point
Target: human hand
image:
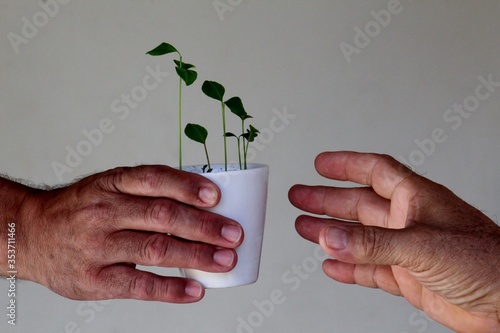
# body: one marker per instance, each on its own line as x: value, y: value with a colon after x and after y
x: 415, y: 238
x: 85, y: 240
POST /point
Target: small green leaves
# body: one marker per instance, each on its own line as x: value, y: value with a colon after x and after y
x: 183, y: 65
x: 162, y: 49
x: 251, y: 134
x: 214, y: 90
x: 236, y: 106
x: 196, y: 133
x: 187, y: 75
x: 199, y: 134
x: 185, y: 72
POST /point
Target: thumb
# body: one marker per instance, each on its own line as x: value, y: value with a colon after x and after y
x: 358, y: 244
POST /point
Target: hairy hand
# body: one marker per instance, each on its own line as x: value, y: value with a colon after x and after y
x: 415, y: 238
x: 85, y: 240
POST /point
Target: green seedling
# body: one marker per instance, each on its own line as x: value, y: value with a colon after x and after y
x: 236, y: 106
x: 250, y: 136
x: 216, y: 91
x: 186, y: 73
x: 199, y: 134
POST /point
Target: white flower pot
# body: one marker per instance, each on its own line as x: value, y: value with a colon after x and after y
x: 244, y: 198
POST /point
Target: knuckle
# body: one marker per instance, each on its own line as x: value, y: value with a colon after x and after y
x: 150, y: 180
x: 161, y: 212
x: 384, y: 161
x: 148, y: 287
x: 206, y: 224
x: 196, y: 224
x: 99, y: 212
x: 96, y: 221
x: 107, y: 181
x: 200, y: 254
x: 143, y: 287
x: 387, y: 158
x: 375, y: 245
x: 91, y: 224
x: 367, y: 245
x: 155, y: 249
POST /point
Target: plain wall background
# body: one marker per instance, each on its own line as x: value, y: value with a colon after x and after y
x: 280, y: 57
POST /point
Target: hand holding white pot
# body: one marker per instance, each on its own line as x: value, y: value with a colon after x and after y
x: 83, y: 241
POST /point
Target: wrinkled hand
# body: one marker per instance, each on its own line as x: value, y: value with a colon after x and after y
x: 415, y: 238
x: 84, y: 241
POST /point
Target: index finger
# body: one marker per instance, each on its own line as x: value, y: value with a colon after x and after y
x: 162, y: 181
x: 382, y: 172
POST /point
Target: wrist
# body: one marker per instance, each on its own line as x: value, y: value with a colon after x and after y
x: 12, y: 197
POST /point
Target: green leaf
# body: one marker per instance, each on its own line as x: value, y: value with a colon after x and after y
x: 162, y: 49
x: 253, y: 129
x: 236, y: 106
x: 184, y: 65
x: 187, y: 75
x: 214, y: 90
x: 230, y: 135
x: 251, y: 134
x: 196, y: 133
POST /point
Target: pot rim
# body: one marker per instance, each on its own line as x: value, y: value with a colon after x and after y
x: 219, y: 168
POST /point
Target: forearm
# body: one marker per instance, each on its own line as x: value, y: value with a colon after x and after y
x: 12, y: 195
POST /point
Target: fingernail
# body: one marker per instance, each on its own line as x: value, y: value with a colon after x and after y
x: 193, y: 289
x: 231, y: 233
x: 336, y: 238
x: 224, y: 257
x: 208, y: 195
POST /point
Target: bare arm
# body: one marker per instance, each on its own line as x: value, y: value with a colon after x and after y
x: 12, y: 195
x: 84, y: 241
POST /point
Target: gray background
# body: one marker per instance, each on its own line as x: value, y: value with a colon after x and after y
x: 280, y: 57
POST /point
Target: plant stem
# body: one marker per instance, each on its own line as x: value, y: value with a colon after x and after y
x: 224, y: 134
x: 239, y: 150
x: 180, y: 117
x: 244, y: 150
x: 206, y: 153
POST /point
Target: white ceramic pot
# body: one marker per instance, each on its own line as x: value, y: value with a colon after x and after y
x: 244, y: 199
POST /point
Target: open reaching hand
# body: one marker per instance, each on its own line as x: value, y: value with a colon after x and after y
x: 414, y: 238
